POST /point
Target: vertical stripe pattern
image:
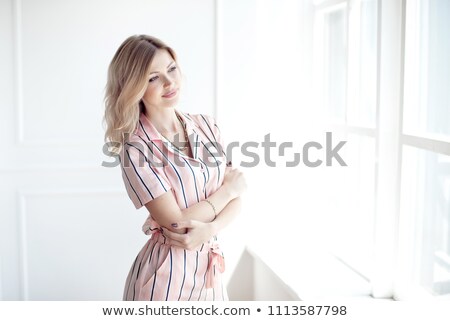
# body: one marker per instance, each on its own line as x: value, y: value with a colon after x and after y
x: 150, y: 168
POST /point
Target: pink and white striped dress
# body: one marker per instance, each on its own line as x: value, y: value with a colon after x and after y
x: 152, y: 167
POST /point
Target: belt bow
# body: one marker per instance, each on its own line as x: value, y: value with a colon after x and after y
x: 216, y: 261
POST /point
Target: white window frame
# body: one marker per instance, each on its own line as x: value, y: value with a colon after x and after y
x: 391, y: 228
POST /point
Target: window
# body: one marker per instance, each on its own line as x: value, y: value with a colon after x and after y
x: 427, y: 69
x: 346, y: 87
x: 425, y: 199
x: 331, y: 44
x: 351, y: 73
x: 426, y: 215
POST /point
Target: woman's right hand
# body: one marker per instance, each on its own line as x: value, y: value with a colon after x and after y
x: 234, y: 180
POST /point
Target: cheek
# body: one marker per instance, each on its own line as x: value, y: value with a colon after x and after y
x: 150, y: 92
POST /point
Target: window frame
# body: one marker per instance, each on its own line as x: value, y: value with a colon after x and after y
x: 392, y: 227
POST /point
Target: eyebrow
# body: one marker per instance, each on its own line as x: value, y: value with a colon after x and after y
x: 167, y: 67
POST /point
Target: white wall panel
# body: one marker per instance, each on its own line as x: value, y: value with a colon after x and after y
x: 73, y: 248
x: 1, y: 283
x: 54, y: 61
x: 59, y: 53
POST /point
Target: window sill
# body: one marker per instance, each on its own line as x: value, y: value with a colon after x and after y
x: 312, y: 275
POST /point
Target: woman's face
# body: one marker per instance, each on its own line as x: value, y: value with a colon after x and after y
x: 164, y: 78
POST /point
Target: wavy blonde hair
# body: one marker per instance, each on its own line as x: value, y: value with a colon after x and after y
x: 127, y: 81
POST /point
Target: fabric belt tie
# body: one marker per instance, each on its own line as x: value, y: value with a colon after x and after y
x: 215, y: 262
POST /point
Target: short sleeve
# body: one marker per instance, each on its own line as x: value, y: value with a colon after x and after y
x: 144, y: 178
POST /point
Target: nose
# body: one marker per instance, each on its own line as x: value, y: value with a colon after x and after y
x: 168, y: 81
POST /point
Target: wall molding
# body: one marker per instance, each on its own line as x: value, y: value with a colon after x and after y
x: 18, y: 73
x: 18, y: 55
x: 1, y: 279
x: 22, y: 195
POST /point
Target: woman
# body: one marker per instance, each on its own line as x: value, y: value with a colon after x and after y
x: 174, y: 164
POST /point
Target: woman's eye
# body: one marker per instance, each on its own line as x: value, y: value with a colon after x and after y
x: 154, y: 78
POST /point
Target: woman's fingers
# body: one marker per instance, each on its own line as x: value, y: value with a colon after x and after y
x: 172, y: 235
x: 197, y: 233
x: 185, y: 224
x: 181, y: 240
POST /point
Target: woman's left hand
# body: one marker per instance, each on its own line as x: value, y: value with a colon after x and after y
x: 197, y: 233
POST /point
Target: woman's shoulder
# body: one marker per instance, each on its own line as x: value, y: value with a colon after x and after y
x: 201, y: 119
x: 134, y: 143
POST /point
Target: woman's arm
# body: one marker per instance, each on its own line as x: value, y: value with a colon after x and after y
x: 200, y: 232
x: 226, y: 216
x: 165, y: 210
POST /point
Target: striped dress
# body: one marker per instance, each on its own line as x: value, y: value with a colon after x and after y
x: 152, y: 167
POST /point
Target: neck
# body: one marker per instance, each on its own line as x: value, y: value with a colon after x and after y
x: 164, y: 119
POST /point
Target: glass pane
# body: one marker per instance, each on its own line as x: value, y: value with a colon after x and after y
x: 426, y: 205
x: 427, y: 69
x: 335, y: 26
x: 352, y: 203
x: 368, y: 63
x: 438, y: 104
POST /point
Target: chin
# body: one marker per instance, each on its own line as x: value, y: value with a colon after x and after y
x: 168, y: 104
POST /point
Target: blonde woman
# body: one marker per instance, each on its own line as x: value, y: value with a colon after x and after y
x: 174, y: 164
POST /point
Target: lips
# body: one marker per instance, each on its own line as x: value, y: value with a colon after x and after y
x: 170, y: 93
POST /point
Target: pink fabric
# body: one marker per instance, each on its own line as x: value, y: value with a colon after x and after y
x: 162, y: 271
x: 215, y: 260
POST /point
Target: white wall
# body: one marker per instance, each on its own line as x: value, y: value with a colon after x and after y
x: 67, y: 229
x: 265, y: 66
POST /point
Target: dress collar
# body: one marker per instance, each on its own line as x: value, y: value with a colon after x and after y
x: 148, y: 131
